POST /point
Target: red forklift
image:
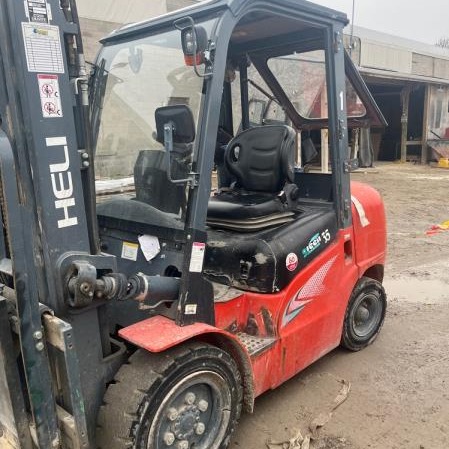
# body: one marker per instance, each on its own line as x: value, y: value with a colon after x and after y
x: 170, y: 251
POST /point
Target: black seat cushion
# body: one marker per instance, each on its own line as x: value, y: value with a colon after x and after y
x: 262, y: 161
x: 240, y: 205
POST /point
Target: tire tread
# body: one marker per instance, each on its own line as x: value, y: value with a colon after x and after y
x: 124, y: 401
x: 347, y: 341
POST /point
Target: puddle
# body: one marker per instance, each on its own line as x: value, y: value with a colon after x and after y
x: 426, y: 291
x: 428, y: 178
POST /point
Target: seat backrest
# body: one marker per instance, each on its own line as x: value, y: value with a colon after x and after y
x: 262, y: 159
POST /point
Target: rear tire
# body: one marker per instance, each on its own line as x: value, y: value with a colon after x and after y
x: 188, y: 397
x: 365, y: 314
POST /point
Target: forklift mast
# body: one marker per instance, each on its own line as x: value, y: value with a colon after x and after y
x: 49, y: 238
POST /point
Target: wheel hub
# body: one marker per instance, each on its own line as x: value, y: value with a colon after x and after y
x: 185, y: 425
x: 362, y: 314
x: 193, y: 414
x: 186, y: 421
x: 367, y: 314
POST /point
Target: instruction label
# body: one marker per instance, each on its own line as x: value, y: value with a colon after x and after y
x: 130, y: 251
x: 38, y: 11
x: 191, y: 309
x: 50, y: 97
x: 43, y: 48
x: 197, y: 259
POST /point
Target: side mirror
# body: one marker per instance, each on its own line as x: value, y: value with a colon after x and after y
x: 180, y: 118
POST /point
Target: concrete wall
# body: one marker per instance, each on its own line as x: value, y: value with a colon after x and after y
x: 120, y: 11
x: 93, y: 31
x: 100, y: 17
x: 172, y: 5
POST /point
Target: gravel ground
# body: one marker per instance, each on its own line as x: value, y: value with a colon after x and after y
x: 399, y: 395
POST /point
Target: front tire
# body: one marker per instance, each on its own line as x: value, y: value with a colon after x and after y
x: 189, y: 397
x: 365, y: 314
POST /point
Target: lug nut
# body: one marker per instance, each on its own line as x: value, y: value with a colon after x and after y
x: 190, y: 398
x: 200, y: 428
x: 203, y: 405
x: 172, y: 414
x: 184, y: 444
x: 169, y: 438
x: 38, y: 335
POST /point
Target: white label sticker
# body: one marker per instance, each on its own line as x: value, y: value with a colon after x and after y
x: 43, y: 48
x: 50, y: 96
x: 150, y: 246
x: 197, y: 259
x: 37, y: 11
x: 191, y: 309
x: 130, y: 251
x: 361, y: 211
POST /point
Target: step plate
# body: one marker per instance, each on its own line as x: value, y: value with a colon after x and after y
x: 255, y: 345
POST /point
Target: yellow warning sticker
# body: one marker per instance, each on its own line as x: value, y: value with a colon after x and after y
x: 130, y: 251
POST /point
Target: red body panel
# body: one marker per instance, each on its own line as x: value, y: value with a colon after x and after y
x: 158, y: 333
x: 370, y: 239
x: 306, y: 317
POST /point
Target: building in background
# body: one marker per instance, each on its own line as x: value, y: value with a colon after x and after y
x: 408, y: 79
x: 410, y: 82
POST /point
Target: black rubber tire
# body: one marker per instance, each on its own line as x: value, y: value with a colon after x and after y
x: 136, y: 397
x: 366, y: 291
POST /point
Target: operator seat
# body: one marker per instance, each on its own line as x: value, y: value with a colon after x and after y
x: 261, y: 159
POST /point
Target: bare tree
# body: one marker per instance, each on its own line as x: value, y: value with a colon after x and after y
x: 443, y: 42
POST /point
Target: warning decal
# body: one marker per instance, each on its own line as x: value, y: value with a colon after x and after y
x: 197, y: 258
x: 50, y: 97
x: 43, y: 48
x: 37, y: 11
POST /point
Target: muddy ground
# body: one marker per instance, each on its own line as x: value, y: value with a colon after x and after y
x: 399, y: 395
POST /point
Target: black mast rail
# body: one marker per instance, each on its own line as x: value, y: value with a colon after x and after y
x: 49, y: 212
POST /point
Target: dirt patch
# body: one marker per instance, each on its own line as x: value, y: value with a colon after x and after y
x: 399, y: 395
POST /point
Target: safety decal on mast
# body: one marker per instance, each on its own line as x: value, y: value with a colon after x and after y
x: 50, y: 97
x: 197, y: 258
x: 38, y: 11
x: 43, y: 48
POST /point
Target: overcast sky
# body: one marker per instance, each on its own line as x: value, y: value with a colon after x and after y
x: 425, y: 21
